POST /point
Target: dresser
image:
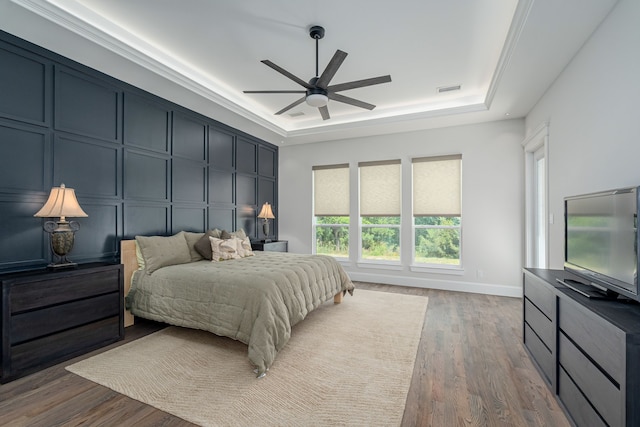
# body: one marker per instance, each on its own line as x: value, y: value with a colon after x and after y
x: 52, y: 316
x: 587, y: 350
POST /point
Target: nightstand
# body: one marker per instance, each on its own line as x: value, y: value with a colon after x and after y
x: 275, y: 246
x: 52, y: 316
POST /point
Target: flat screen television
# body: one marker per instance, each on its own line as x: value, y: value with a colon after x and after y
x: 601, y: 242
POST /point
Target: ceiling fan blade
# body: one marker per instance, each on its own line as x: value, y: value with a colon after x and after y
x: 332, y: 68
x: 287, y: 74
x: 351, y: 101
x: 324, y: 112
x: 359, y: 83
x: 274, y: 91
x: 290, y: 106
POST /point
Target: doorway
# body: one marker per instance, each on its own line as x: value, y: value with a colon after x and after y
x: 536, y: 198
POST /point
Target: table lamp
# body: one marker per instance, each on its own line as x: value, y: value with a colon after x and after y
x: 62, y: 203
x: 266, y: 213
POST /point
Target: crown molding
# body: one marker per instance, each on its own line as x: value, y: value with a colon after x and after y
x: 142, y: 54
x: 471, y: 108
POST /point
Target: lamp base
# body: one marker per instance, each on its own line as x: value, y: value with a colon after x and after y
x: 265, y: 230
x: 62, y: 237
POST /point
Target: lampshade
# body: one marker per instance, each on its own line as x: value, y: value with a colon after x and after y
x: 317, y: 100
x: 62, y: 203
x: 266, y: 212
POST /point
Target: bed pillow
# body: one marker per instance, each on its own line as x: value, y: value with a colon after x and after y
x: 160, y: 251
x: 192, y: 239
x: 223, y: 249
x: 203, y: 245
x: 239, y: 233
x: 139, y: 256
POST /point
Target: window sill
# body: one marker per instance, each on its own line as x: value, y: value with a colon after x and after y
x: 345, y: 262
x: 454, y: 271
x: 378, y: 265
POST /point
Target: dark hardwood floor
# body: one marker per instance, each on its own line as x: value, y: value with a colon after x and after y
x: 471, y: 370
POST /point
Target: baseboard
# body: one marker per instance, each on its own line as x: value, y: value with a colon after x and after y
x: 447, y: 285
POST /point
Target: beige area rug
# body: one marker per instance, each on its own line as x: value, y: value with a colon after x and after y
x: 345, y: 364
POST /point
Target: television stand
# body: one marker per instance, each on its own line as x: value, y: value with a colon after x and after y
x: 586, y: 349
x: 587, y: 290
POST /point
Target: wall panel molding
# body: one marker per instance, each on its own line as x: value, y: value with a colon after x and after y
x: 91, y: 167
x: 140, y: 165
x: 24, y: 158
x: 86, y: 105
x: 26, y: 77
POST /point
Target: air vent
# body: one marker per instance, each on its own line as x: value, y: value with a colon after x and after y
x: 298, y: 114
x: 448, y: 88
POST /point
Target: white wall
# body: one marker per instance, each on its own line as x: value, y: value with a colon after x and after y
x: 593, y: 110
x: 492, y: 200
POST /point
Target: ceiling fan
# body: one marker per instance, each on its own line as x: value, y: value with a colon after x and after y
x: 317, y: 91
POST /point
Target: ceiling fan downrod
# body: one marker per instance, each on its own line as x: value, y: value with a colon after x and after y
x: 316, y: 32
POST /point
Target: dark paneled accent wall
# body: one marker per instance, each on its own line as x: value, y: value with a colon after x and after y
x: 139, y: 164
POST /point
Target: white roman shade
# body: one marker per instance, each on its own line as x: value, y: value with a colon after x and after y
x: 380, y: 188
x: 331, y: 190
x: 437, y: 185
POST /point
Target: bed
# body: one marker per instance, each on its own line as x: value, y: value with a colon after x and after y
x: 255, y: 299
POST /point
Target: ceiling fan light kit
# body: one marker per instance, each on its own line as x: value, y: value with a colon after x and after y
x: 317, y: 91
x: 317, y: 100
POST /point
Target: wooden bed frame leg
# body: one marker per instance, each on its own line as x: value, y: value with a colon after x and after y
x: 337, y: 298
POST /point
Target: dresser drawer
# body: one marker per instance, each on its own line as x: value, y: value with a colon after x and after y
x: 581, y: 325
x: 542, y: 325
x: 577, y: 406
x: 46, y: 292
x: 541, y: 354
x: 54, y: 348
x: 604, y: 395
x: 33, y: 324
x: 540, y: 294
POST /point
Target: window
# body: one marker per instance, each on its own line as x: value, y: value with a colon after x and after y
x: 380, y: 195
x: 436, y: 210
x: 331, y: 209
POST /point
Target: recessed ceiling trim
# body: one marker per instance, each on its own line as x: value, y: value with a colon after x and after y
x: 137, y: 55
x: 471, y: 108
x: 513, y: 36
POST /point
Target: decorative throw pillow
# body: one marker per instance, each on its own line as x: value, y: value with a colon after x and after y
x: 203, y: 245
x: 239, y: 248
x: 224, y: 234
x: 192, y: 239
x: 160, y: 251
x: 246, y: 246
x: 223, y: 249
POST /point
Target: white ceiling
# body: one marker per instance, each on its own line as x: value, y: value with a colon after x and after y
x: 503, y: 53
